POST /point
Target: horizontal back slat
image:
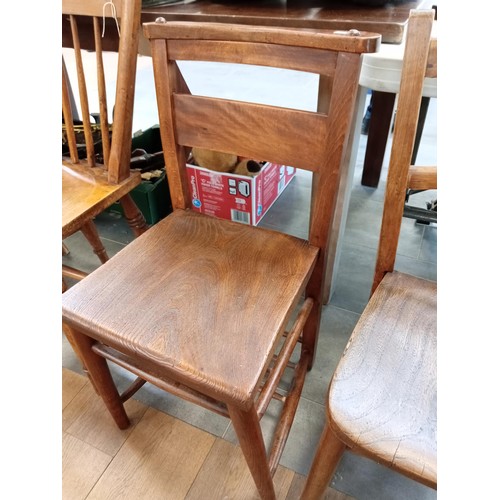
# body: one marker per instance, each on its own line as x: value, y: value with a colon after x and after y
x: 280, y: 56
x: 90, y: 7
x: 358, y: 42
x: 285, y: 136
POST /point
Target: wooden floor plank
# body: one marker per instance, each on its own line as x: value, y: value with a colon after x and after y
x: 82, y: 466
x: 88, y: 419
x: 72, y: 384
x: 159, y: 460
x: 159, y: 457
x: 225, y: 474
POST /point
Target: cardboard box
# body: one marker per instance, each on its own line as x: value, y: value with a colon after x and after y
x: 234, y: 197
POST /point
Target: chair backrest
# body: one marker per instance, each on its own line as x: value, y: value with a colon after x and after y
x: 116, y: 144
x: 315, y: 141
x: 419, y: 62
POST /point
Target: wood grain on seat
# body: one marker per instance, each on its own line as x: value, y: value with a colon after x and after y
x: 383, y: 394
x: 212, y: 276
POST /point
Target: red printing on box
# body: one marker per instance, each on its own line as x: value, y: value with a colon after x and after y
x: 239, y: 198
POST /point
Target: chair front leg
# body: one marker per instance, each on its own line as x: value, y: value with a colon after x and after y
x: 328, y: 454
x: 99, y: 374
x: 248, y: 430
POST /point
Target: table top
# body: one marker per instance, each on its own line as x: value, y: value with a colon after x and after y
x: 389, y: 20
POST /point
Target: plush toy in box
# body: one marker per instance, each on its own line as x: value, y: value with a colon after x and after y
x: 225, y: 162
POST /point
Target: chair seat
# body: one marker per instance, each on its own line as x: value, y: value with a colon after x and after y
x: 86, y: 192
x: 383, y: 395
x: 205, y: 287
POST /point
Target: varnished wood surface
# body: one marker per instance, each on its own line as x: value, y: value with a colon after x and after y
x: 176, y: 270
x: 383, y: 397
x: 235, y: 126
x: 388, y: 20
x: 359, y: 42
x: 422, y: 178
x: 87, y: 193
x: 154, y: 456
x: 90, y: 8
x: 92, y: 183
x: 202, y: 302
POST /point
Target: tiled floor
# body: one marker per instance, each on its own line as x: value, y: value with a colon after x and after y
x: 358, y: 477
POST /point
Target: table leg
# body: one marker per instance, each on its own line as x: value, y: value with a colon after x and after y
x: 378, y: 132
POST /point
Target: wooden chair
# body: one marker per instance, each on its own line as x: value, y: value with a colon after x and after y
x: 382, y: 397
x: 93, y: 180
x: 198, y: 305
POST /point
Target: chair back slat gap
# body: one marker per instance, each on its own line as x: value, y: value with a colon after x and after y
x: 68, y: 115
x: 259, y: 54
x: 101, y: 87
x: 82, y: 90
x: 248, y: 129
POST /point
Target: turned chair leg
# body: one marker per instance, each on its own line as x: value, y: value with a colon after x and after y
x: 326, y: 459
x: 90, y: 232
x: 248, y: 430
x: 133, y: 215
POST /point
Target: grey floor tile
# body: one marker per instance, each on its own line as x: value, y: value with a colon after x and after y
x: 428, y: 251
x: 354, y: 278
x: 419, y: 268
x: 81, y: 255
x: 363, y: 222
x: 365, y: 479
x: 113, y: 226
x: 336, y: 328
x: 290, y: 212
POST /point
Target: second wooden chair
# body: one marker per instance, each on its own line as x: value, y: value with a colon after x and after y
x: 382, y: 397
x: 92, y: 182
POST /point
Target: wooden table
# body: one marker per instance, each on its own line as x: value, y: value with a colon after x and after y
x: 389, y: 20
